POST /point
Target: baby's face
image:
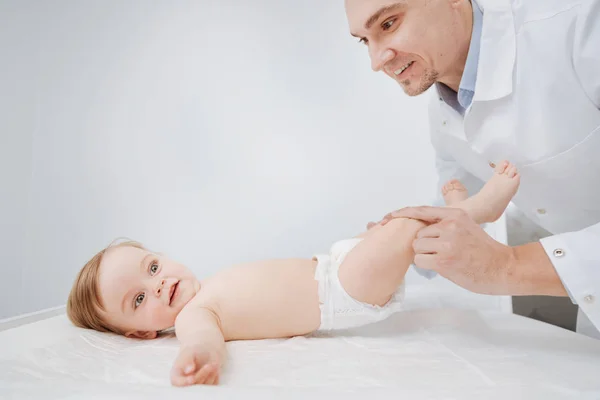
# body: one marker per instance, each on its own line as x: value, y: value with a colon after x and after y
x: 142, y: 292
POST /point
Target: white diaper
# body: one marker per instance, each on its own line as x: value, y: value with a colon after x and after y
x: 338, y: 309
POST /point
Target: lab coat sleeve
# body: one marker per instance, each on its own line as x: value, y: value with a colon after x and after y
x: 575, y: 255
x: 576, y: 259
x: 446, y: 166
x: 586, y: 49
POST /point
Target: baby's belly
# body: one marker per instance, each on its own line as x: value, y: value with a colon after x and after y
x: 271, y: 299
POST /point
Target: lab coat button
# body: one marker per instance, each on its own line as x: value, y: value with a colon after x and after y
x: 559, y: 253
x: 492, y: 164
x: 444, y: 123
x: 541, y: 211
x: 589, y: 299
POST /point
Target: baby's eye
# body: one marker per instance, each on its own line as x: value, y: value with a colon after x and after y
x: 139, y: 299
x: 388, y: 24
x: 154, y: 268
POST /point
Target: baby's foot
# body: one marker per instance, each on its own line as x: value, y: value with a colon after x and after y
x: 495, y: 195
x: 454, y: 192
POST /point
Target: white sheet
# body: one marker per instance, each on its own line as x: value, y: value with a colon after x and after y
x: 439, y: 353
x: 440, y: 348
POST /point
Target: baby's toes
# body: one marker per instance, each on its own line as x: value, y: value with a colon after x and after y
x: 502, y: 167
x: 449, y: 186
x: 457, y: 185
x: 511, y: 171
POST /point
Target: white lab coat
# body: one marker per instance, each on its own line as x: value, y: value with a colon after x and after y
x: 537, y: 104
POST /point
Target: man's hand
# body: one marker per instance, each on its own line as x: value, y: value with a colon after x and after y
x: 458, y: 249
x: 195, y: 365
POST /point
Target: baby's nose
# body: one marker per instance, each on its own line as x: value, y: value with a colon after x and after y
x: 160, y: 287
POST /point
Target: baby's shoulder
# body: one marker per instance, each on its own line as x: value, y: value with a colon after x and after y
x: 206, y: 294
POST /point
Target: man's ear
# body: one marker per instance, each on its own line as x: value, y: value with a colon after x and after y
x: 142, y: 334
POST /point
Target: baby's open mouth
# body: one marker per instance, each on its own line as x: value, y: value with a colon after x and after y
x: 172, y: 292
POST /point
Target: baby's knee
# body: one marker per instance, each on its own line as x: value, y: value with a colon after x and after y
x: 339, y: 310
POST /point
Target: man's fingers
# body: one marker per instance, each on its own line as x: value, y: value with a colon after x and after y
x: 431, y: 231
x: 427, y: 246
x: 370, y: 225
x: 426, y: 261
x: 423, y: 213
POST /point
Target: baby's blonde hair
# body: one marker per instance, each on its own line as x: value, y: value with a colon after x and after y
x: 84, y: 303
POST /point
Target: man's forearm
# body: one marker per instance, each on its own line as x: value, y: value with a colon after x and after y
x: 531, y: 272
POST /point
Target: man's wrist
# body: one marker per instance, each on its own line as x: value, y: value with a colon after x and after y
x: 531, y: 272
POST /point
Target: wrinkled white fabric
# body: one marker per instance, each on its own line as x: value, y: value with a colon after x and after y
x: 417, y: 354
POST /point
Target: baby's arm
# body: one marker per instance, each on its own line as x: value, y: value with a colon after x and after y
x: 375, y: 268
x: 262, y: 300
x: 202, y: 349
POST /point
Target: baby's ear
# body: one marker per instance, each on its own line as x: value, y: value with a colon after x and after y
x: 142, y: 334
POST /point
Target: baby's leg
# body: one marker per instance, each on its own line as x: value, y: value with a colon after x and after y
x: 374, y: 269
x: 491, y: 201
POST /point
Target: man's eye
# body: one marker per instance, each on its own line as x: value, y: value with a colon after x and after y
x: 153, y: 268
x: 388, y: 24
x: 139, y: 299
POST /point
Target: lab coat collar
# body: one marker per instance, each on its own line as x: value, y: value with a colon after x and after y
x: 498, y: 51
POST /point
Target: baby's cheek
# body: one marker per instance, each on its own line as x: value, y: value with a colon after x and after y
x: 183, y: 271
x: 161, y: 317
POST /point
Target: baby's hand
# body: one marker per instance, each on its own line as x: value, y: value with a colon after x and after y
x: 195, y: 365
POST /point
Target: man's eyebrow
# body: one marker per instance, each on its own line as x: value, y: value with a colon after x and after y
x: 381, y: 11
x: 373, y: 18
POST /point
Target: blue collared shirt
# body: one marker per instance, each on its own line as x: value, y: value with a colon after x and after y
x: 466, y: 88
x: 462, y: 100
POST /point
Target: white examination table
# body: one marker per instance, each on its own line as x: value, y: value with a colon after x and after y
x: 446, y: 351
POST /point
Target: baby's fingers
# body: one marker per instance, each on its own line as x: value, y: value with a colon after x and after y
x: 205, y: 375
x: 213, y: 379
x: 181, y: 372
x: 179, y: 380
x: 185, y: 364
x: 186, y: 380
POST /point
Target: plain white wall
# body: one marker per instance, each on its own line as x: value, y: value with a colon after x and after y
x: 216, y: 132
x: 17, y: 125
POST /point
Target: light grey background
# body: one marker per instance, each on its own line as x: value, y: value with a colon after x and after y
x: 216, y: 132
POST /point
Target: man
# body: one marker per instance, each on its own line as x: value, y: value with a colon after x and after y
x: 515, y: 80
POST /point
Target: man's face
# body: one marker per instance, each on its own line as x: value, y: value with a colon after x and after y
x: 415, y: 42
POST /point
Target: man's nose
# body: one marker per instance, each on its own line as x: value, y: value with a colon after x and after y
x: 160, y: 287
x: 381, y: 57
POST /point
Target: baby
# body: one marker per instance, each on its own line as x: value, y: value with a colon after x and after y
x: 131, y: 291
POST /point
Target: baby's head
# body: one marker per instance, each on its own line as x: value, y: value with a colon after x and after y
x: 131, y: 291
